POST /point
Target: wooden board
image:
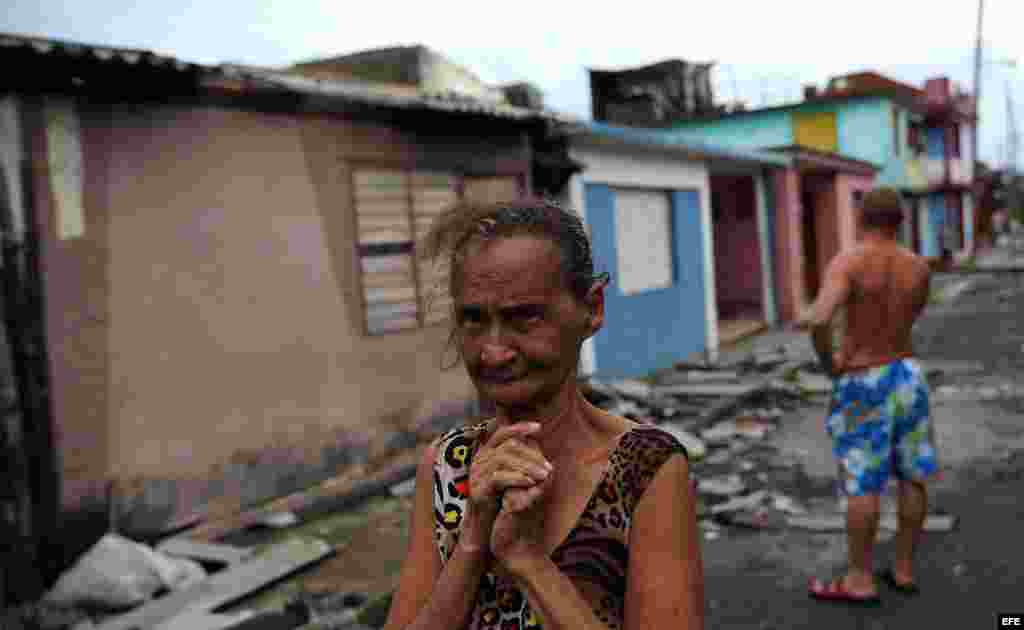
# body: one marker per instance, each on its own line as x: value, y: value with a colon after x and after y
x: 226, y: 586
x: 207, y: 552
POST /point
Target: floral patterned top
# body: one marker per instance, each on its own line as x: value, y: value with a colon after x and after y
x: 595, y: 551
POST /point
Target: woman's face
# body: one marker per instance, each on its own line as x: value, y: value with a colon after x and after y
x: 518, y: 328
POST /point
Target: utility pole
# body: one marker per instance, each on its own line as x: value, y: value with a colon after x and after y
x: 1011, y: 152
x: 977, y: 86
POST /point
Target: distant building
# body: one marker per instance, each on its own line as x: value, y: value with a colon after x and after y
x: 918, y: 139
x: 652, y: 96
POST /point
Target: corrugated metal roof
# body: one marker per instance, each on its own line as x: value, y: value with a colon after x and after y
x: 663, y: 140
x: 358, y: 92
x: 128, y: 56
x: 390, y: 95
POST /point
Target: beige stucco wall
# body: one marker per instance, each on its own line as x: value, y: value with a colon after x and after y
x: 226, y: 350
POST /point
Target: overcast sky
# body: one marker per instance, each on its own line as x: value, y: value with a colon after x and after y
x: 765, y: 50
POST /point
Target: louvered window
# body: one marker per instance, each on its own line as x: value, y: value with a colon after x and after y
x: 394, y: 210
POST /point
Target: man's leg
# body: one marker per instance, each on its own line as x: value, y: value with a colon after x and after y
x: 913, y: 506
x: 862, y: 515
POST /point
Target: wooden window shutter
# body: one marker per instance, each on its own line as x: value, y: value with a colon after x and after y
x: 386, y: 250
x: 432, y: 193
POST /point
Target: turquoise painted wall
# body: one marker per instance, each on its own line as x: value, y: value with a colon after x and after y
x: 864, y: 127
x: 865, y: 131
x: 753, y: 131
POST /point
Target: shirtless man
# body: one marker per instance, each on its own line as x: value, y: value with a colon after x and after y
x: 879, y: 415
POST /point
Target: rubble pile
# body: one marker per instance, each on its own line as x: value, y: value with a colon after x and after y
x: 722, y: 414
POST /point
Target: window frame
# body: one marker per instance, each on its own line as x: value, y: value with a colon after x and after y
x: 460, y: 173
x: 672, y: 253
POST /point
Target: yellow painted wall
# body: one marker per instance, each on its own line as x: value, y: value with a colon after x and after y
x: 816, y: 130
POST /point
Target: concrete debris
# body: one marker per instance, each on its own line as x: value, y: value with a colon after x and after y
x: 632, y: 388
x: 727, y: 485
x: 787, y: 504
x: 204, y: 552
x: 720, y: 434
x: 746, y: 465
x: 752, y: 427
x: 280, y: 520
x: 748, y: 502
x: 836, y: 522
x: 756, y: 518
x: 625, y: 408
x: 721, y: 457
x: 815, y: 384
x: 711, y: 535
x: 706, y: 389
x: 694, y: 446
x: 403, y: 489
x: 698, y: 376
x: 708, y: 525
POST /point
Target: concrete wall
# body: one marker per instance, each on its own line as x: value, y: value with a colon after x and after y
x: 206, y: 335
x: 623, y: 167
x: 788, y: 244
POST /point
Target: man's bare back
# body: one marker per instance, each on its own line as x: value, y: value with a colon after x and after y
x: 888, y: 290
x: 884, y: 288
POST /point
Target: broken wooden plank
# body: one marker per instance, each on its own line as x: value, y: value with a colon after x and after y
x: 204, y: 552
x: 226, y: 586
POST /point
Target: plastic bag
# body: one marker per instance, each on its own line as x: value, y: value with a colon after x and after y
x: 118, y: 573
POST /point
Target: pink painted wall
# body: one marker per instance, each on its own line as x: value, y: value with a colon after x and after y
x: 788, y: 245
x: 826, y: 222
x: 849, y: 216
x: 738, y: 281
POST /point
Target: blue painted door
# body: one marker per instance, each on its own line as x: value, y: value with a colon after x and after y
x: 931, y: 237
x: 650, y: 330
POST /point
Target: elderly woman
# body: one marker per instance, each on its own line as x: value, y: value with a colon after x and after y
x: 554, y: 513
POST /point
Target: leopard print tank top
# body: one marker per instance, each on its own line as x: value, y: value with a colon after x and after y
x: 595, y: 551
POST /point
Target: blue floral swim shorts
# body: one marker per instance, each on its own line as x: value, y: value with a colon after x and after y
x: 880, y: 425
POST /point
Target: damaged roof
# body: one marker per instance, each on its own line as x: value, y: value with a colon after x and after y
x: 63, y: 49
x: 386, y: 95
x: 602, y: 133
x: 253, y: 81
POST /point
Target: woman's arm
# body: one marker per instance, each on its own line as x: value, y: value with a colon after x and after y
x: 665, y: 583
x: 428, y: 595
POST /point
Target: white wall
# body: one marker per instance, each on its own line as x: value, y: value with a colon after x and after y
x: 622, y: 167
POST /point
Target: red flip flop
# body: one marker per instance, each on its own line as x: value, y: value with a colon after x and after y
x: 835, y: 591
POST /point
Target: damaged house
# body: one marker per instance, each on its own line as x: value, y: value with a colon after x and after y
x: 233, y: 304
